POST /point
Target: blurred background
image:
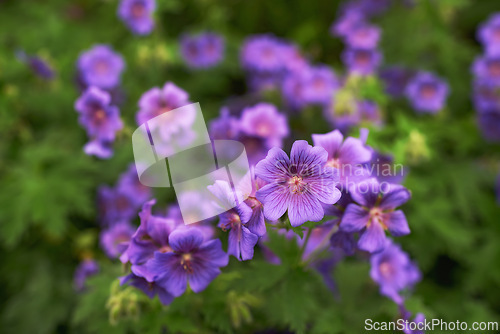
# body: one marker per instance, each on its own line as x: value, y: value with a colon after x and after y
x: 48, y: 185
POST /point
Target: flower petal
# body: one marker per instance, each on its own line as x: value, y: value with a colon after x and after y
x: 304, y: 207
x: 366, y: 192
x: 165, y: 297
x: 373, y: 239
x: 212, y: 252
x: 159, y: 229
x: 202, y: 276
x: 354, y: 219
x: 247, y: 243
x: 185, y: 239
x: 394, y: 196
x: 397, y: 224
x: 304, y: 157
x: 354, y: 152
x: 274, y: 167
x: 330, y: 141
x: 275, y: 198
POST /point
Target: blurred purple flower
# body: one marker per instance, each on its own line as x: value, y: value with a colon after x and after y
x: 486, y: 95
x: 294, y: 88
x: 138, y: 15
x: 298, y: 184
x: 263, y: 53
x: 363, y: 35
x: 39, y: 66
x: 393, y: 270
x: 100, y: 67
x: 345, y: 23
x: 487, y: 68
x: 489, y: 34
x: 115, y: 205
x: 98, y: 117
x: 129, y: 183
x: 151, y: 289
x: 413, y: 326
x: 114, y: 240
x: 191, y: 259
x: 375, y: 212
x: 203, y: 50
x: 85, y: 269
x: 346, y: 156
x: 396, y: 78
x: 320, y: 85
x: 263, y: 120
x: 362, y: 61
x: 489, y: 123
x: 427, y: 92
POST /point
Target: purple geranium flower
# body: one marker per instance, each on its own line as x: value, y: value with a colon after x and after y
x: 203, y: 50
x: 256, y: 224
x: 427, y: 92
x: 393, y: 270
x: 101, y: 67
x: 489, y: 123
x: 129, y: 183
x: 320, y: 85
x: 138, y: 15
x: 39, y: 66
x: 396, y: 78
x: 346, y: 156
x: 375, y: 212
x: 241, y: 241
x: 489, y: 34
x: 192, y: 259
x: 363, y: 35
x: 151, y: 289
x: 225, y: 126
x: 151, y: 236
x: 263, y: 53
x: 263, y: 120
x: 294, y: 88
x: 85, y: 269
x: 416, y: 326
x: 487, y: 67
x: 298, y: 184
x: 486, y: 95
x: 157, y: 101
x: 264, y: 81
x: 362, y: 61
x: 114, y: 240
x: 346, y: 22
x: 293, y: 58
x: 100, y: 119
x: 115, y: 205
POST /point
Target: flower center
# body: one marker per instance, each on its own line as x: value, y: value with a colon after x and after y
x: 102, y: 67
x: 165, y: 249
x: 263, y: 129
x: 99, y: 116
x: 186, y: 262
x: 376, y: 216
x: 138, y: 10
x: 233, y: 219
x: 362, y: 58
x: 385, y: 269
x: 334, y: 162
x: 428, y: 91
x: 297, y: 185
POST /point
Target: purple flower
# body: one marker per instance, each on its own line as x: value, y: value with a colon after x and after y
x: 427, y: 92
x: 157, y: 101
x: 489, y: 123
x: 396, y: 78
x: 487, y: 67
x: 202, y: 50
x: 151, y: 236
x: 256, y: 224
x: 346, y: 22
x: 363, y: 35
x: 99, y: 118
x: 138, y: 15
x: 382, y: 167
x: 320, y: 85
x: 115, y: 205
x: 224, y: 127
x: 263, y: 120
x: 192, y: 259
x: 151, y: 289
x: 298, y: 184
x: 85, y: 269
x: 394, y: 272
x: 241, y: 241
x: 344, y: 241
x: 375, y: 212
x: 362, y: 61
x: 374, y: 7
x: 263, y: 81
x: 39, y: 66
x: 263, y: 53
x: 294, y: 88
x: 114, y: 240
x: 101, y: 67
x: 486, y: 95
x: 129, y: 183
x: 293, y: 58
x: 489, y: 34
x: 346, y: 156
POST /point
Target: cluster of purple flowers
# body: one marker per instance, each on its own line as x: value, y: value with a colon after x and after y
x: 259, y: 128
x: 486, y: 70
x: 203, y: 50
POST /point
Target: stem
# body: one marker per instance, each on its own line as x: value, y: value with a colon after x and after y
x: 303, y: 249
